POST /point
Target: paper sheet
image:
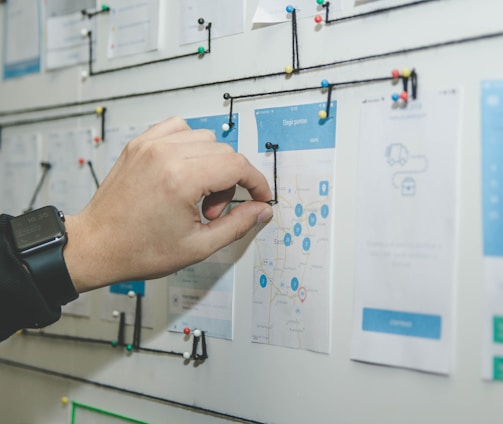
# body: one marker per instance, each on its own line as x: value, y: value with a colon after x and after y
x: 134, y: 27
x: 226, y: 17
x: 65, y: 44
x: 274, y: 11
x: 202, y: 295
x: 406, y: 232
x: 70, y: 183
x: 22, y: 38
x: 492, y: 215
x: 291, y: 281
x: 20, y: 171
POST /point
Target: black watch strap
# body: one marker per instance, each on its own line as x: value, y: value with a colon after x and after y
x: 49, y: 270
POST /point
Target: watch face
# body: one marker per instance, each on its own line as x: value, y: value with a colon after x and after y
x: 39, y: 227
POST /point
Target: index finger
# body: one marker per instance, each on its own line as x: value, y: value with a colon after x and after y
x: 220, y: 172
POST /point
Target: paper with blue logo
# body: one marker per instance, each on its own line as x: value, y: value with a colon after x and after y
x: 406, y: 232
x: 292, y: 263
x: 202, y: 295
x: 492, y: 219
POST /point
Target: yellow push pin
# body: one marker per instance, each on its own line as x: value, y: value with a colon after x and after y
x: 322, y: 114
x: 406, y: 72
x: 99, y: 110
x: 65, y: 400
x: 288, y: 69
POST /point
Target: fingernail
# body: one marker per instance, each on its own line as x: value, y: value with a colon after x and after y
x: 265, y: 215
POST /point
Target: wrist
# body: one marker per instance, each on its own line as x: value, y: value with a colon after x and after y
x: 82, y: 255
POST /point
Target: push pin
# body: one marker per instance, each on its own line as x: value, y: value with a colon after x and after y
x: 84, y: 32
x: 65, y: 400
x: 201, y: 50
x: 318, y: 19
x: 97, y: 139
x: 186, y: 331
x: 84, y: 74
x: 99, y: 110
x: 198, y: 336
x: 82, y: 161
x: 320, y: 2
x: 323, y: 114
x: 227, y: 126
x: 290, y: 9
x: 288, y: 69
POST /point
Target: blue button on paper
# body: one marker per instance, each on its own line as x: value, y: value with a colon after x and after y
x: 402, y: 323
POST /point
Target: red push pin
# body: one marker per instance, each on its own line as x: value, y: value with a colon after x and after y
x: 318, y: 19
x: 186, y: 331
x: 404, y: 96
x: 395, y: 73
x: 82, y: 161
x: 97, y: 139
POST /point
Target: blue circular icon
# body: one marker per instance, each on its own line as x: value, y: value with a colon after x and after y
x: 298, y: 210
x: 324, y: 211
x: 294, y: 284
x: 297, y: 229
x: 263, y: 281
x: 306, y: 244
x: 287, y: 239
x: 312, y: 219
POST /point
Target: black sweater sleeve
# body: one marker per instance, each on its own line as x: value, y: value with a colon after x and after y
x: 21, y: 303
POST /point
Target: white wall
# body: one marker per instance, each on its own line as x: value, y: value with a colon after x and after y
x: 259, y: 382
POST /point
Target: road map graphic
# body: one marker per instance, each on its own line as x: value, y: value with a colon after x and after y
x: 291, y: 281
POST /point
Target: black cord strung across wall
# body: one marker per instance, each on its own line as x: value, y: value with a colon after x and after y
x: 326, y: 5
x: 120, y: 342
x: 105, y: 386
x: 46, y: 166
x: 405, y: 76
x: 201, y: 51
x: 443, y: 44
x: 99, y: 112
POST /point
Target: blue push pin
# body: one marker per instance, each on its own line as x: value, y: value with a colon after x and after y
x: 290, y: 9
x: 395, y: 97
x: 325, y: 83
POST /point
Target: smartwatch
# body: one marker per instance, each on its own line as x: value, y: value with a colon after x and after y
x: 39, y: 238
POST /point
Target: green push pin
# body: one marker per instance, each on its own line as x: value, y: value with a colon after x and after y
x: 320, y: 1
x: 129, y: 347
x: 105, y: 8
x: 201, y: 50
x: 115, y: 343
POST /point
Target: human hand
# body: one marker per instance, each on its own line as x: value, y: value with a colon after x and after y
x: 144, y: 221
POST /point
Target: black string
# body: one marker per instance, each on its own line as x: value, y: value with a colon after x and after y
x: 95, y: 178
x: 481, y: 37
x: 274, y: 148
x: 121, y: 336
x: 255, y: 77
x: 295, y: 42
x: 104, y: 9
x: 102, y: 113
x: 45, y: 169
x: 137, y: 322
x: 119, y: 342
x: 201, y: 51
x: 326, y: 5
x: 131, y: 392
x: 274, y: 201
x: 98, y: 111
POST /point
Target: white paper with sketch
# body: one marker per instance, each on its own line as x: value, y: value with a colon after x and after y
x: 406, y: 232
